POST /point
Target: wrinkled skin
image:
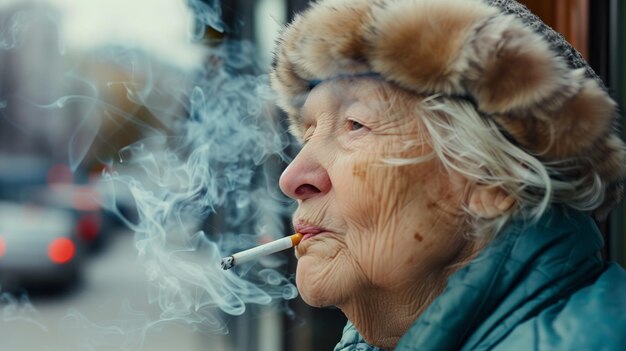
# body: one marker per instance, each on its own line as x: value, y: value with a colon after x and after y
x: 392, y: 232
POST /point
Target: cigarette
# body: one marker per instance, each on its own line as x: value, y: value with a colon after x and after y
x: 261, y: 250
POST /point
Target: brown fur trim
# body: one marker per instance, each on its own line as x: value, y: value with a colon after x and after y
x: 425, y: 51
x: 572, y: 129
x: 584, y: 118
x: 514, y: 68
x: 608, y: 158
x: 329, y: 40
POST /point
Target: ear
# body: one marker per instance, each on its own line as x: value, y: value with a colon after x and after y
x: 489, y: 202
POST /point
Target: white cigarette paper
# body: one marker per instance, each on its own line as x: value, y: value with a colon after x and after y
x: 260, y: 251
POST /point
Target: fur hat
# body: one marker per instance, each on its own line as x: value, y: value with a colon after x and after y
x: 495, y: 53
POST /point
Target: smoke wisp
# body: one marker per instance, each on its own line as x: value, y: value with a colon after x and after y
x: 201, y: 177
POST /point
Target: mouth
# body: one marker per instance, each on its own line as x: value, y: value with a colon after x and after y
x: 308, y: 230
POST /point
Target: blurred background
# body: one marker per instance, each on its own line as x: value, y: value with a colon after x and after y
x: 68, y: 262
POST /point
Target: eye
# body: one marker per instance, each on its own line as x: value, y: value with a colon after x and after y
x: 354, y: 125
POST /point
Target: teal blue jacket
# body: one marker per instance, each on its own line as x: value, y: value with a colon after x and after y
x: 537, y: 286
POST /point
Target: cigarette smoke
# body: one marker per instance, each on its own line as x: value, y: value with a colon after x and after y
x: 202, y: 183
x: 214, y: 166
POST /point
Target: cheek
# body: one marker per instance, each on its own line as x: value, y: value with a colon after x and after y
x: 398, y: 226
x: 374, y: 193
x: 374, y: 210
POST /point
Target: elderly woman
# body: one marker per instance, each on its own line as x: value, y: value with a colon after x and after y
x: 454, y: 153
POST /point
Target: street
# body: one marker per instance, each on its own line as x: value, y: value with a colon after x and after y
x: 108, y: 311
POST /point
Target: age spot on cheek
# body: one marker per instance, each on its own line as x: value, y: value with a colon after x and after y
x: 418, y: 236
x: 359, y: 171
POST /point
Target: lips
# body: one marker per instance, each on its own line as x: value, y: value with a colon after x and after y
x: 308, y: 230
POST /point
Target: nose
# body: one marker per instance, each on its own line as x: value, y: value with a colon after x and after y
x: 305, y: 178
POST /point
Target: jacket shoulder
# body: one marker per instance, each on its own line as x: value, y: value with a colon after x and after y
x: 593, y: 318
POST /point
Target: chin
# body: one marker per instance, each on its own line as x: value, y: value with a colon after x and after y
x: 316, y: 288
x: 312, y: 300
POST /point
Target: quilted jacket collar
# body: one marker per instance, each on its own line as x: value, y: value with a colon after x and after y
x: 526, y: 268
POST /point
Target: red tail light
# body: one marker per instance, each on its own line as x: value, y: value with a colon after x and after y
x: 61, y: 250
x: 2, y: 246
x: 88, y: 226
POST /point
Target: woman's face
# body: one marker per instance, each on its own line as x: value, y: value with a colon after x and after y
x: 372, y: 225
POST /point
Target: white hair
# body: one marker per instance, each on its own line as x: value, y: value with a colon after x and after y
x: 473, y: 146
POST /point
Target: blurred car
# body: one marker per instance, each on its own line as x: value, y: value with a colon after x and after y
x: 90, y: 223
x: 38, y: 181
x: 50, y: 219
x: 37, y: 247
